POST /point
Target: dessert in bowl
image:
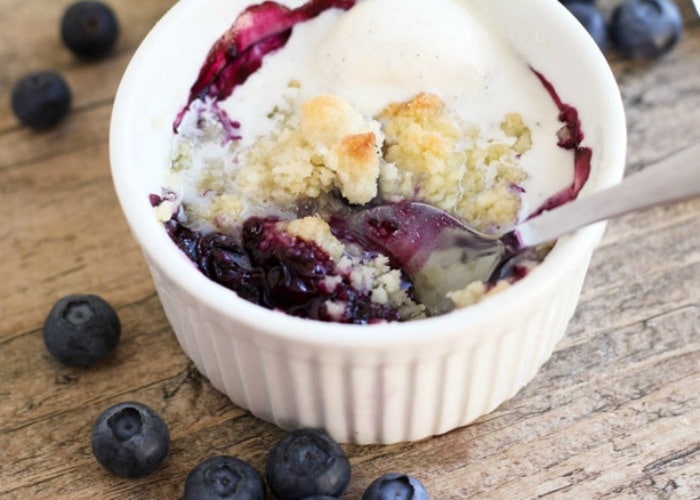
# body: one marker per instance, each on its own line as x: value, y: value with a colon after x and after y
x: 242, y: 134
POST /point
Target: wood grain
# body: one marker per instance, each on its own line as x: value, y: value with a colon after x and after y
x: 615, y: 413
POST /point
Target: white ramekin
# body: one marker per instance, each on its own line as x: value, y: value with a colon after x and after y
x: 364, y: 384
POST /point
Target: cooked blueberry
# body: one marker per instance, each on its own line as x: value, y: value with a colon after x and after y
x: 89, y: 29
x: 81, y: 329
x: 130, y: 439
x: 270, y: 268
x: 646, y: 28
x: 305, y: 463
x: 592, y: 19
x: 395, y: 486
x: 224, y: 477
x: 41, y: 100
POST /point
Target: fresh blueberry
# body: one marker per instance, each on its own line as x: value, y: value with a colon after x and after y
x: 395, y: 486
x: 81, y: 329
x: 592, y: 19
x: 89, y: 29
x: 41, y: 100
x: 224, y: 477
x: 320, y: 497
x: 645, y: 29
x: 305, y: 463
x: 130, y: 439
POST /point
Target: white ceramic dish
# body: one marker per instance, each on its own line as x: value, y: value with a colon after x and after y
x: 365, y: 384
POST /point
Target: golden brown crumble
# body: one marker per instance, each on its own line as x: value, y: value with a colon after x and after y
x: 417, y: 149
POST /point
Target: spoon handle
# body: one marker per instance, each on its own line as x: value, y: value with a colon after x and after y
x: 671, y: 179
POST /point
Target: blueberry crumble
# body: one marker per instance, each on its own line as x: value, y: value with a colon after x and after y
x: 257, y: 199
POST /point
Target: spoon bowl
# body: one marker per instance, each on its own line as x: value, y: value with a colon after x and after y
x: 437, y: 251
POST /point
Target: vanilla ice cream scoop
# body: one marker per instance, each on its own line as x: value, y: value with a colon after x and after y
x: 382, y: 51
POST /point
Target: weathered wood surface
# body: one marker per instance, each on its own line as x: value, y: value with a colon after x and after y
x: 614, y: 414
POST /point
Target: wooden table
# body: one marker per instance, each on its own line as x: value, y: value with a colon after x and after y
x: 615, y: 413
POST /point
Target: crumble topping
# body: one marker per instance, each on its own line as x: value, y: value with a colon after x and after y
x: 315, y: 229
x: 323, y: 149
x: 433, y: 157
x: 476, y: 292
x: 326, y: 145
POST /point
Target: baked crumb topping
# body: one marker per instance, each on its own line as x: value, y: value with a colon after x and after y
x: 327, y: 145
x: 431, y: 156
x: 315, y: 229
x: 324, y: 148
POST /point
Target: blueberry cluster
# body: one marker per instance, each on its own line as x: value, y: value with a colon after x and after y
x: 42, y: 99
x: 270, y: 269
x: 637, y: 29
x: 306, y: 464
x: 131, y: 440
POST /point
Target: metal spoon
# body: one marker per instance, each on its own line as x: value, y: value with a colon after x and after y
x: 441, y: 254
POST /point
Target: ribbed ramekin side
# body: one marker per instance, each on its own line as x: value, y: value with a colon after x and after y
x: 433, y: 394
x: 383, y: 394
x: 171, y: 299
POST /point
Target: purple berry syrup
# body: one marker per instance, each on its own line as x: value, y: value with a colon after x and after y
x: 238, y: 53
x: 570, y: 137
x: 271, y: 268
